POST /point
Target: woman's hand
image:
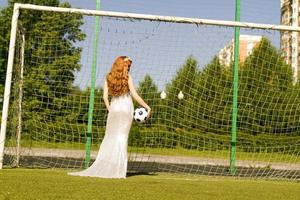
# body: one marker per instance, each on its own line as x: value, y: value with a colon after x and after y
x: 149, y: 112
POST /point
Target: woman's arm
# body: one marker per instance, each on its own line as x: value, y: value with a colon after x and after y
x: 105, y: 95
x: 135, y: 95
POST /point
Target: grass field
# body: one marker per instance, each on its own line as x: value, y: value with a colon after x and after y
x: 25, y: 184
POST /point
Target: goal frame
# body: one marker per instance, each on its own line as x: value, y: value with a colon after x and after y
x: 135, y: 16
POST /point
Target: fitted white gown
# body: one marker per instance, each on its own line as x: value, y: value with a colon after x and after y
x: 111, y: 161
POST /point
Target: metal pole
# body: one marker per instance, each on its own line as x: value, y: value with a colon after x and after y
x: 92, y: 92
x: 235, y: 90
x: 10, y: 63
x: 19, y: 129
x: 161, y: 18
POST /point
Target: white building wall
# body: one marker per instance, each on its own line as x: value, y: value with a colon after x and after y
x: 226, y: 55
x: 295, y: 43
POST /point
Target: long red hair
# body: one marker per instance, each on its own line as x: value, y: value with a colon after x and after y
x: 117, y: 78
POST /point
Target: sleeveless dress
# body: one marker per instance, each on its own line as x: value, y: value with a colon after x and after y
x: 111, y: 161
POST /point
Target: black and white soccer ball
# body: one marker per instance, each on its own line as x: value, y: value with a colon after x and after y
x: 140, y: 115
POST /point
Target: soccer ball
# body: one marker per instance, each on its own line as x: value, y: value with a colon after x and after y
x: 140, y: 115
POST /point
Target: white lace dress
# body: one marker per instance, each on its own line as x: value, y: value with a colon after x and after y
x: 111, y: 161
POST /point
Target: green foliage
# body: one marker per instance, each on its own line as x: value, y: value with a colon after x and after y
x: 214, y: 97
x: 52, y: 58
x: 27, y: 19
x: 267, y: 106
x: 265, y: 93
x: 175, y: 108
x: 266, y: 69
x: 149, y: 92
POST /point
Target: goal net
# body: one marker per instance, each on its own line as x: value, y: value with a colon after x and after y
x: 183, y: 68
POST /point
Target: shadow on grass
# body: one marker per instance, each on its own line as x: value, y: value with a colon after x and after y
x: 131, y: 174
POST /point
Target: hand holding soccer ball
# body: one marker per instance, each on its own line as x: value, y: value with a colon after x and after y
x: 141, y: 115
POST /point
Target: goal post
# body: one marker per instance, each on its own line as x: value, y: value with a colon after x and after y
x: 10, y: 61
x: 91, y: 101
x: 182, y: 67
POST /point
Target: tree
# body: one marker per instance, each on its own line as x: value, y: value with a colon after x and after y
x: 149, y: 92
x: 52, y: 58
x: 265, y: 84
x: 184, y: 82
x: 26, y: 20
x: 266, y: 69
x: 212, y: 103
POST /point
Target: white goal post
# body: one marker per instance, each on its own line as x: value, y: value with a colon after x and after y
x: 171, y: 19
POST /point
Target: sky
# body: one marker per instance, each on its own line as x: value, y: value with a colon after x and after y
x: 159, y: 49
x: 262, y: 11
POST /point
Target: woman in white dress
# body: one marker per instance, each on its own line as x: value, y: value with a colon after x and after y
x: 111, y: 161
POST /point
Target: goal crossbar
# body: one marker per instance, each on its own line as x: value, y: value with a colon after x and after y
x: 172, y: 19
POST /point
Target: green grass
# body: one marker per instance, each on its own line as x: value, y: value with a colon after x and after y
x: 29, y: 184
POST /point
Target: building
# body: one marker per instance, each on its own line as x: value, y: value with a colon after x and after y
x: 289, y: 42
x: 247, y: 43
